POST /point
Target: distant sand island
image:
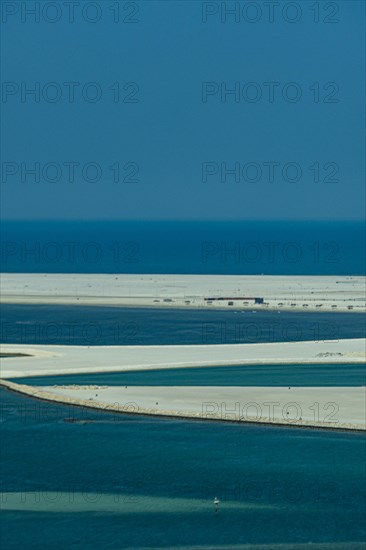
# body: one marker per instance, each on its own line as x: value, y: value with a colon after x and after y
x: 258, y: 293
x: 230, y: 403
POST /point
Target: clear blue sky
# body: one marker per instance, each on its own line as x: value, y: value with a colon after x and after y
x: 170, y: 131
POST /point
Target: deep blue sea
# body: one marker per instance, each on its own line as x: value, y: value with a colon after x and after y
x: 318, y: 248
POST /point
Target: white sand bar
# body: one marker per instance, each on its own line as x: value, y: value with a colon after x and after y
x: 326, y: 407
x: 295, y: 293
x: 53, y: 360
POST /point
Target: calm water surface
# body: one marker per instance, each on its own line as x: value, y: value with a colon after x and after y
x: 133, y: 482
x: 256, y: 375
x: 68, y: 325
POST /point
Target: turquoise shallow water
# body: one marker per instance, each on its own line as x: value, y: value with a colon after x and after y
x: 256, y: 375
x: 134, y: 482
